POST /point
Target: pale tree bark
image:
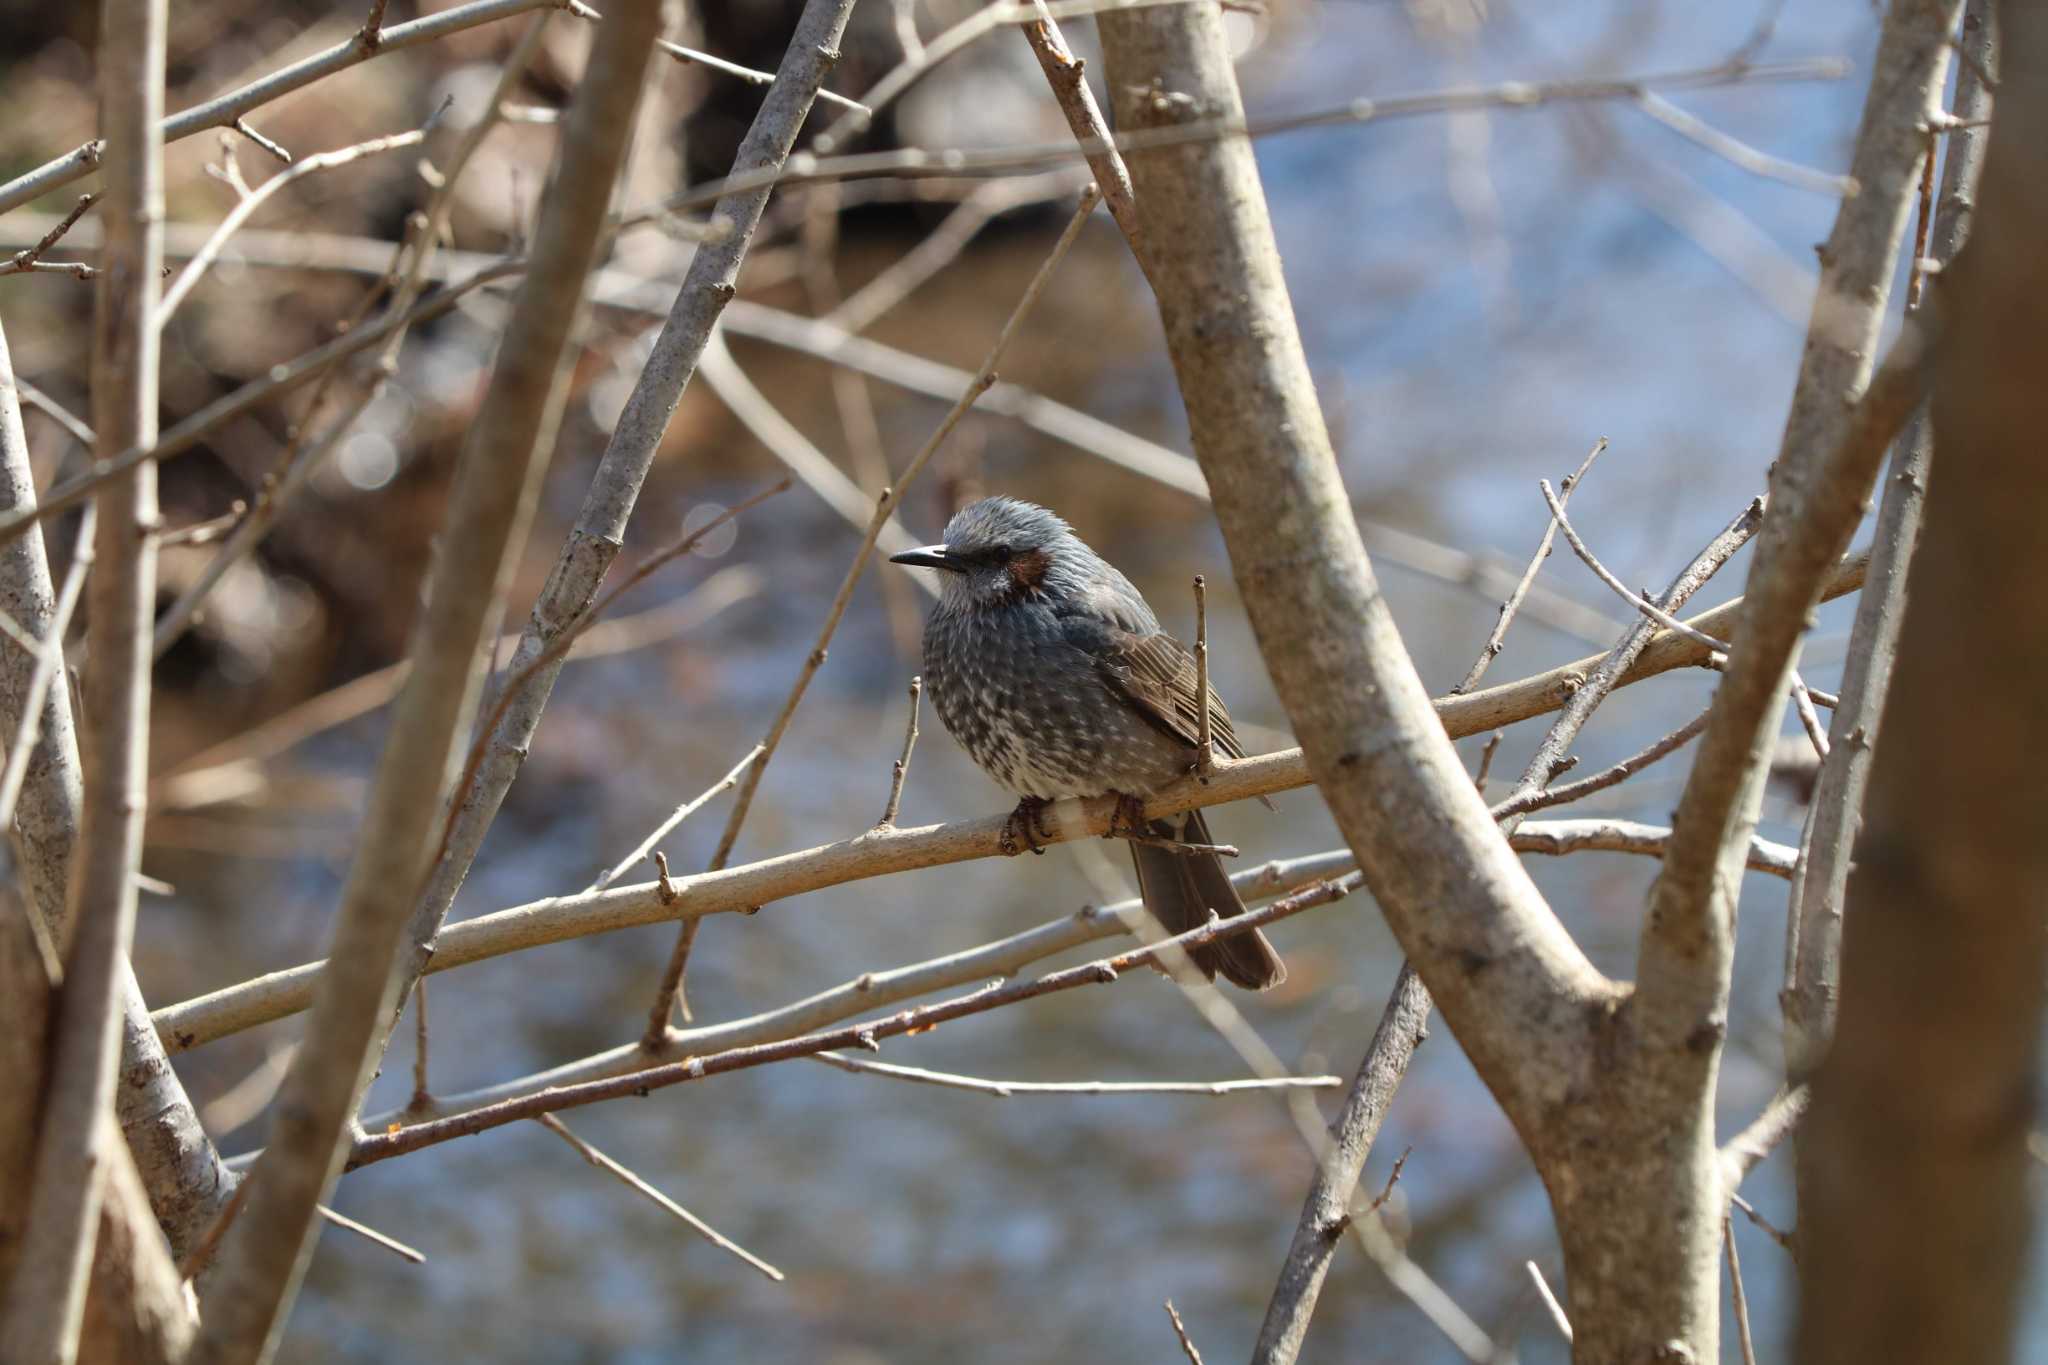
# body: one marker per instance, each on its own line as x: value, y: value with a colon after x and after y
x: 179, y: 1164
x: 77, y: 1139
x: 265, y: 1252
x: 1613, y: 1096
x: 1814, y: 918
x: 135, y: 1308
x: 1916, y: 1209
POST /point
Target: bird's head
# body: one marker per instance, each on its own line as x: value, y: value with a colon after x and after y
x: 1000, y: 550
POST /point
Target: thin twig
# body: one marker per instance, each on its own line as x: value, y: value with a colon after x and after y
x: 1205, y: 750
x: 255, y: 199
x: 902, y: 768
x: 690, y: 56
x: 1544, y: 798
x: 1621, y: 589
x: 1739, y: 153
x: 1741, y: 1299
x: 1496, y: 640
x: 28, y: 256
x: 1741, y: 1153
x: 662, y: 1201
x: 666, y: 827
x: 670, y: 992
x: 1564, y: 1324
x: 1769, y: 1229
x: 1393, y: 1178
x: 1187, y: 1344
x: 371, y: 1235
x: 558, y: 648
x: 421, y: 1095
x: 1005, y: 1089
x: 1486, y: 754
x: 916, y: 162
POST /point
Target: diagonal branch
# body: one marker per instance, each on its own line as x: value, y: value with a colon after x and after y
x: 264, y: 1254
x: 1813, y: 925
x: 599, y: 532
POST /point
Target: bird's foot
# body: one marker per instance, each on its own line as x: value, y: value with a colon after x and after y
x: 1127, y: 821
x: 1026, y: 827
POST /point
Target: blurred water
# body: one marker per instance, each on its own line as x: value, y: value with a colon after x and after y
x: 1464, y: 352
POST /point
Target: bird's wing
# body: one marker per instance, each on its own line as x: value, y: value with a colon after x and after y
x: 1157, y: 672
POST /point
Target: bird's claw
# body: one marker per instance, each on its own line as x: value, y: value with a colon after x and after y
x: 1025, y: 828
x: 1128, y: 818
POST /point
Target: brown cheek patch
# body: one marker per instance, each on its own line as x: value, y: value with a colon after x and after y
x: 1027, y: 570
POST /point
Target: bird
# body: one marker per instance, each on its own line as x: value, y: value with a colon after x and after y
x: 1050, y: 669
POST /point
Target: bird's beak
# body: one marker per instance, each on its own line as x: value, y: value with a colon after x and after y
x: 927, y: 557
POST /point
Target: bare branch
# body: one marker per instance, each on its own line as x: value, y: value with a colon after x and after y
x: 1544, y: 798
x: 1835, y: 435
x: 660, y: 1200
x: 690, y: 56
x: 902, y: 768
x: 1187, y: 1344
x: 1931, y: 1104
x: 28, y: 256
x: 599, y: 531
x: 1550, y: 1303
x: 1067, y: 75
x: 877, y: 853
x: 44, y: 1306
x: 682, y: 813
x: 224, y: 110
x: 1497, y: 640
x: 1741, y: 1153
x: 871, y: 990
x: 371, y: 1235
x: 1006, y: 1089
x: 1327, y: 1212
x: 1813, y: 925
x: 1738, y: 153
x: 247, y: 205
x: 1740, y: 1298
x: 278, y: 380
x: 413, y: 1137
x: 265, y: 1253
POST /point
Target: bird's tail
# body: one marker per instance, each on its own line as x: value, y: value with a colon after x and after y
x: 1181, y: 888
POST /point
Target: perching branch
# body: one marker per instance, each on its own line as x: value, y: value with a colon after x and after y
x: 877, y: 853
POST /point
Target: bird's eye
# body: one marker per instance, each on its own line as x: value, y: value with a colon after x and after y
x: 1000, y: 554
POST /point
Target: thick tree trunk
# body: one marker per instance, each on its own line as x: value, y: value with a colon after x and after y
x: 1620, y: 1126
x: 1916, y: 1211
